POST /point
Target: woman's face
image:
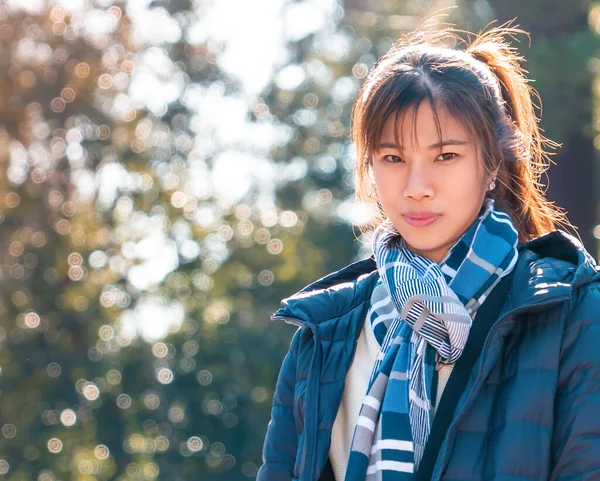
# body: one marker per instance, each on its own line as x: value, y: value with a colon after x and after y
x: 431, y: 188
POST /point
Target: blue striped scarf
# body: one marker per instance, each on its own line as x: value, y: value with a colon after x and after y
x: 421, y: 313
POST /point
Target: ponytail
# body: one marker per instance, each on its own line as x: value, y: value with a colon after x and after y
x: 525, y: 155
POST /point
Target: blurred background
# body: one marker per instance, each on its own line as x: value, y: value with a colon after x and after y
x: 169, y: 170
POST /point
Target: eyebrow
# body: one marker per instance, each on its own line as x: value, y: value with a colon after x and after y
x: 437, y: 145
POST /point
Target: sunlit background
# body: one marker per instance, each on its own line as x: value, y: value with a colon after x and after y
x: 169, y: 170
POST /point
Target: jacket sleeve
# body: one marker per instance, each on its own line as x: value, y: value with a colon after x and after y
x: 576, y: 438
x: 281, y: 441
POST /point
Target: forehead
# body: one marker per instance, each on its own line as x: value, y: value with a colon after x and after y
x: 424, y: 123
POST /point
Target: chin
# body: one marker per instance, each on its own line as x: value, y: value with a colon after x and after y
x: 428, y: 245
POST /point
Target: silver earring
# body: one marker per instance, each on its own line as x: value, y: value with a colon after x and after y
x: 492, y: 185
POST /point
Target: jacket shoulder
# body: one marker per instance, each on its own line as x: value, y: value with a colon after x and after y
x: 584, y: 307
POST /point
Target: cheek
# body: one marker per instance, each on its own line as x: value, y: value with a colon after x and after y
x: 470, y: 193
x: 386, y: 179
x: 387, y: 187
x: 468, y: 183
x: 377, y: 180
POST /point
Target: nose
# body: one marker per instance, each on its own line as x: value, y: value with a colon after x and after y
x: 419, y: 185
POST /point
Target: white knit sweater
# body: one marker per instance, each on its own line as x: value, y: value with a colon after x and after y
x: 357, y: 381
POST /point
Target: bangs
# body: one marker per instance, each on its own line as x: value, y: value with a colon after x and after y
x: 400, y: 98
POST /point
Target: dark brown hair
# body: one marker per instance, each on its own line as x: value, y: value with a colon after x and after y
x: 484, y: 86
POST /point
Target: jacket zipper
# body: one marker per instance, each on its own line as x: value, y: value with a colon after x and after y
x: 444, y: 450
x: 298, y: 322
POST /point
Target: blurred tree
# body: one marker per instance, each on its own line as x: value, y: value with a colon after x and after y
x: 135, y: 296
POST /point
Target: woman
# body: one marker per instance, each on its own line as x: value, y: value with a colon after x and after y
x: 468, y: 347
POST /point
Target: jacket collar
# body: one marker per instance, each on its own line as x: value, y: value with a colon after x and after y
x: 549, y: 268
x: 332, y: 295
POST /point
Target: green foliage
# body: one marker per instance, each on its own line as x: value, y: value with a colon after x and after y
x: 136, y: 341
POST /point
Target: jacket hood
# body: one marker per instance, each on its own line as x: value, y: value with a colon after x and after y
x: 552, y: 265
x: 549, y: 267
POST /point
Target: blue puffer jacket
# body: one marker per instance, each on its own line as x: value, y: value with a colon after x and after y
x: 531, y: 408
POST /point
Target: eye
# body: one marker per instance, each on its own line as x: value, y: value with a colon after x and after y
x: 393, y: 159
x: 447, y: 156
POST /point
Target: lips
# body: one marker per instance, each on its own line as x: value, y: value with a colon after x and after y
x: 420, y: 219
